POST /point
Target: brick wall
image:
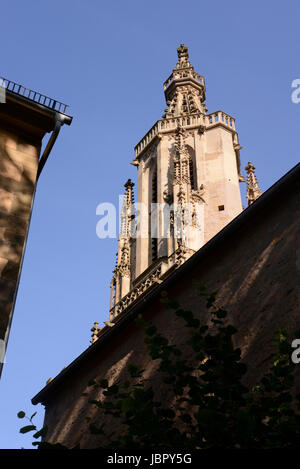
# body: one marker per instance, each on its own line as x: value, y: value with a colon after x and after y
x: 255, y: 269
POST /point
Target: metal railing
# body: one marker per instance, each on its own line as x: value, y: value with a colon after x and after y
x: 33, y: 95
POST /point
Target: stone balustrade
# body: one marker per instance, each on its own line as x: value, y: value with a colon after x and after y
x: 153, y: 132
x: 168, y: 81
x: 188, y: 122
x: 194, y: 120
x: 144, y: 284
x: 220, y: 117
x: 148, y: 279
x: 185, y: 73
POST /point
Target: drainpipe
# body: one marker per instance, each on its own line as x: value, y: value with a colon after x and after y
x: 59, y: 121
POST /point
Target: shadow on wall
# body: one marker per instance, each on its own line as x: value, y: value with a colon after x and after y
x: 256, y: 275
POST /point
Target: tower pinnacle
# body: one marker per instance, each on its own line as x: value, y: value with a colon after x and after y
x: 253, y: 190
x: 183, y: 57
x: 120, y: 283
x: 184, y: 89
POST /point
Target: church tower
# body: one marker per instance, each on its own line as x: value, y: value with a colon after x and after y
x: 188, y: 187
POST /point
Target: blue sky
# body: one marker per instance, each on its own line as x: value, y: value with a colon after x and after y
x: 108, y: 60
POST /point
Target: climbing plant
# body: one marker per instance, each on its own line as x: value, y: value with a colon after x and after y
x: 209, y: 405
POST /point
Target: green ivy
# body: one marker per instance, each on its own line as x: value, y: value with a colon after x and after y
x: 208, y: 405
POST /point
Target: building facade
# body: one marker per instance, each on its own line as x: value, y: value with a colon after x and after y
x: 26, y: 116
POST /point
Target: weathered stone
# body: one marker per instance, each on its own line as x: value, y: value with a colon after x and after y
x: 189, y: 160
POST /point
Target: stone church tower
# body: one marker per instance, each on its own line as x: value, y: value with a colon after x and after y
x: 188, y: 187
x: 172, y: 240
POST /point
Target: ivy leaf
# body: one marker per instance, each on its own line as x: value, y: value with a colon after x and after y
x: 27, y: 429
x: 205, y: 393
x: 42, y: 432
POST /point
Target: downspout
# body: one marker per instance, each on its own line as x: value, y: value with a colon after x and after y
x: 59, y: 121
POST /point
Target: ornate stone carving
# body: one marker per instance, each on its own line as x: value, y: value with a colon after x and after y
x: 183, y: 57
x: 185, y: 90
x: 124, y: 266
x: 168, y: 198
x: 145, y: 283
x: 176, y: 182
x: 95, y: 330
x: 197, y: 195
x: 253, y: 190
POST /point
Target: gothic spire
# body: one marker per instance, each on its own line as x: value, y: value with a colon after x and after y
x: 120, y: 283
x: 253, y: 190
x: 127, y: 210
x: 129, y: 192
x: 183, y: 57
x: 184, y: 89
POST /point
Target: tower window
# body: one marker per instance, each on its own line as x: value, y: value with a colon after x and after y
x: 191, y: 169
x: 221, y: 208
x: 154, y: 200
x: 154, y: 249
x: 154, y: 187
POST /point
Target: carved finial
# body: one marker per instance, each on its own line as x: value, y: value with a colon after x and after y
x: 127, y: 212
x: 180, y: 137
x: 128, y: 184
x: 253, y: 190
x: 184, y: 98
x: 95, y: 329
x: 129, y: 192
x: 183, y: 56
